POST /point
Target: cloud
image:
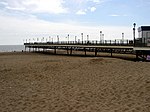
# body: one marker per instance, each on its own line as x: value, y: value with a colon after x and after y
x: 114, y: 15
x: 81, y: 12
x: 78, y: 1
x: 36, y: 6
x: 50, y: 6
x: 13, y: 8
x: 97, y: 1
x: 92, y: 9
x: 117, y: 15
x: 4, y: 3
x: 13, y: 30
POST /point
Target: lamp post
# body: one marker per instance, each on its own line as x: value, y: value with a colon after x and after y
x: 42, y: 40
x: 100, y: 38
x: 122, y: 38
x: 37, y: 39
x: 103, y: 37
x: 52, y: 40
x: 58, y: 38
x: 75, y: 39
x: 82, y: 37
x: 87, y: 38
x: 68, y: 38
x: 49, y: 38
x: 134, y: 33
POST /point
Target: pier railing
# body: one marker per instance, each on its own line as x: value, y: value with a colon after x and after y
x: 94, y: 42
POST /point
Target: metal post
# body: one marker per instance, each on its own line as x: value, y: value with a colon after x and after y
x: 103, y: 37
x: 87, y: 38
x: 134, y: 32
x: 100, y: 38
x: 58, y: 39
x: 55, y: 50
x: 49, y: 38
x: 122, y: 38
x: 111, y: 52
x: 71, y: 51
x: 95, y: 51
x: 68, y: 38
x: 85, y: 50
x: 67, y: 50
x: 75, y: 39
x: 82, y: 37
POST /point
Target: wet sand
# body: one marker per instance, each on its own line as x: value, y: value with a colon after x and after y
x: 31, y: 82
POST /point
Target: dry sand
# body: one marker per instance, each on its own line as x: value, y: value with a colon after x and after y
x: 47, y: 83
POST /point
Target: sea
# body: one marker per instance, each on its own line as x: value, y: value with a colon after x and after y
x: 11, y: 48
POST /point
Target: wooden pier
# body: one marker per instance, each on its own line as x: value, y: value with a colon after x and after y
x: 140, y: 52
x: 79, y: 47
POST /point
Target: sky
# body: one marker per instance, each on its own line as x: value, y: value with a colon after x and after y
x: 21, y: 20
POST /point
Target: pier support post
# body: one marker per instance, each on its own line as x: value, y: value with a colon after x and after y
x: 111, y: 52
x: 67, y: 50
x: 95, y: 51
x: 136, y: 55
x: 55, y: 50
x: 85, y: 51
x: 71, y: 51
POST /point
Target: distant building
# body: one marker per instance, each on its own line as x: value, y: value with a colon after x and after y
x: 143, y: 36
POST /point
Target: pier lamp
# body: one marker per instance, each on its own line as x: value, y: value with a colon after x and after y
x: 134, y: 32
x: 68, y: 38
x: 75, y: 39
x: 49, y: 38
x: 87, y: 38
x: 58, y: 38
x: 122, y: 37
x: 100, y: 38
x: 82, y: 37
x: 52, y: 39
x: 103, y: 38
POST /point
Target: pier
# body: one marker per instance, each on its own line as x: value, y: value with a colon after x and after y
x: 110, y: 47
x: 87, y: 46
x: 138, y: 46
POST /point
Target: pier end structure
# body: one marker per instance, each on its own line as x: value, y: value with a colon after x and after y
x: 142, y: 43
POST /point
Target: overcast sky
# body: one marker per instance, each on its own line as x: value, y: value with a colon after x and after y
x: 32, y: 19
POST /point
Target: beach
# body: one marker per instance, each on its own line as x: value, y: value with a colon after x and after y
x: 35, y: 82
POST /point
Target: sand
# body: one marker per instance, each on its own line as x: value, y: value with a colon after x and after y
x: 31, y: 82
